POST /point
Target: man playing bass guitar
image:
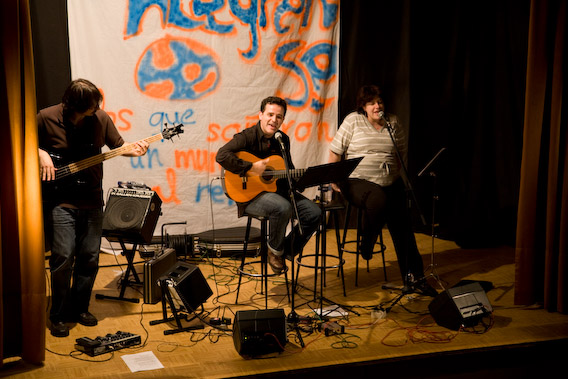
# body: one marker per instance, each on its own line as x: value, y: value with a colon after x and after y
x: 258, y: 144
x: 73, y: 209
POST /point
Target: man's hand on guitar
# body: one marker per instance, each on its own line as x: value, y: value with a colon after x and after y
x: 258, y: 167
x: 139, y: 148
x: 46, y: 166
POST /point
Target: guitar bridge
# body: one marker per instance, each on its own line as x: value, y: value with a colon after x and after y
x: 244, y: 180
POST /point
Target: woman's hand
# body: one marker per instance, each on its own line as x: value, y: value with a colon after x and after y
x: 332, y: 159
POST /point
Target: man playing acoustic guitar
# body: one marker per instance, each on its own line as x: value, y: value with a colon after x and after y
x: 250, y: 156
x: 73, y: 208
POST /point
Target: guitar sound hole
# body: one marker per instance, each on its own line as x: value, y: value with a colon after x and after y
x: 267, y: 175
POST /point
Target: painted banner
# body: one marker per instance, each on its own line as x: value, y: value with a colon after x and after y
x: 206, y: 64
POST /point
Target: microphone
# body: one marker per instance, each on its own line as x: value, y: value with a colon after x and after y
x: 382, y: 115
x: 278, y: 137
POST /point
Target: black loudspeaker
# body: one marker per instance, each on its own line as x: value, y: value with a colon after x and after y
x: 461, y: 306
x: 131, y: 215
x: 259, y: 332
x: 189, y: 285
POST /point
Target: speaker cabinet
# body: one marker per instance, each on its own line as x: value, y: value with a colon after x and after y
x: 461, y: 306
x: 131, y: 215
x: 259, y: 332
x: 189, y: 285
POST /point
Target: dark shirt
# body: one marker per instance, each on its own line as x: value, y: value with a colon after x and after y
x: 72, y: 143
x: 252, y: 140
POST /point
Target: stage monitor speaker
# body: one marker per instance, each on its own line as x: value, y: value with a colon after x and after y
x: 259, y: 332
x: 131, y: 215
x: 189, y: 285
x: 461, y: 306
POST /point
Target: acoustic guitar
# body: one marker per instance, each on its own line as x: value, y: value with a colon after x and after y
x: 245, y: 188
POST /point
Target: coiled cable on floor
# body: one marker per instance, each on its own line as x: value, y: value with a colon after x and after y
x: 177, y: 242
x: 181, y: 243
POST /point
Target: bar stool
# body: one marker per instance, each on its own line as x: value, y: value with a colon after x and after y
x: 321, y: 245
x: 357, y: 242
x: 264, y: 275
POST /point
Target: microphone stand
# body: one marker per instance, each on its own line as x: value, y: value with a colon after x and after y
x: 293, y: 318
x: 409, y: 283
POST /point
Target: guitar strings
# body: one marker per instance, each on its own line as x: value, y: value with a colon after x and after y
x: 91, y: 161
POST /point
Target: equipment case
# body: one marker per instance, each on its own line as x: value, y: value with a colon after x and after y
x: 226, y: 242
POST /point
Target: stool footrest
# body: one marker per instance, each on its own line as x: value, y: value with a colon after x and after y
x: 258, y: 275
x: 339, y: 262
x: 382, y: 248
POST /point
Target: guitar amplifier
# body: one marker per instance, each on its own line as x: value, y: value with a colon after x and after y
x: 226, y: 242
x: 131, y: 215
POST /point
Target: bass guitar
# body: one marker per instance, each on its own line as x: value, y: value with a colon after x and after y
x: 245, y: 188
x: 66, y: 171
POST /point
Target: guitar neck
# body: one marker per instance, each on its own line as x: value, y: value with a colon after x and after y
x: 280, y: 174
x: 75, y: 167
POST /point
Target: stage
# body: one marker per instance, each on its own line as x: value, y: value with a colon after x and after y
x: 514, y: 342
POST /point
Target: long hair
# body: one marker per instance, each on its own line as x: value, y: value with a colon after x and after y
x: 80, y: 96
x: 367, y: 94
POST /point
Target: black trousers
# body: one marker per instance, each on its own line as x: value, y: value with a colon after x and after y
x: 380, y: 206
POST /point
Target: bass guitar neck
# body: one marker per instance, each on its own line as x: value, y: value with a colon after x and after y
x: 75, y: 167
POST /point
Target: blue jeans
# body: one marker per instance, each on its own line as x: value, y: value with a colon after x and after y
x: 76, y: 243
x: 279, y: 211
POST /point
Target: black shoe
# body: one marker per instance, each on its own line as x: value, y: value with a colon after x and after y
x: 367, y: 255
x: 288, y: 256
x: 87, y: 319
x: 426, y: 289
x: 59, y: 329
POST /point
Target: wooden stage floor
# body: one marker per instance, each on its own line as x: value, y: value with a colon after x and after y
x: 522, y: 341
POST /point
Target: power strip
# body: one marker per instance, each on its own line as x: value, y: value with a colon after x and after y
x: 220, y: 321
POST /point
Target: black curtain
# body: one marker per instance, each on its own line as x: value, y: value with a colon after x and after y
x: 454, y: 73
x: 51, y: 50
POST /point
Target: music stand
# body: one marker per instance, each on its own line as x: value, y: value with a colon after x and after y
x: 328, y: 173
x: 318, y: 176
x: 429, y: 168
